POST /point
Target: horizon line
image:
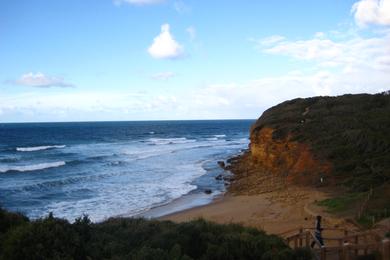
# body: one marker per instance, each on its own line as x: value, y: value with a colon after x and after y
x: 113, y: 121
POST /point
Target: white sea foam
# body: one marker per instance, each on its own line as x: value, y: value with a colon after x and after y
x: 220, y: 136
x: 144, y: 152
x: 38, y: 148
x: 165, y: 141
x: 131, y: 199
x: 33, y: 167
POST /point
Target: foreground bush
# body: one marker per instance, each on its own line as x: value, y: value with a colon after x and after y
x: 120, y: 238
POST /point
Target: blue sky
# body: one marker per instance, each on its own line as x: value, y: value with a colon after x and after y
x: 71, y: 60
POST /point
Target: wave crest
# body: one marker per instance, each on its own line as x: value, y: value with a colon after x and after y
x: 33, y: 167
x: 164, y: 141
x: 38, y: 148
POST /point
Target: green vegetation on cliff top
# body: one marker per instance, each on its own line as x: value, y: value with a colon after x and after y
x: 125, y: 238
x: 350, y: 131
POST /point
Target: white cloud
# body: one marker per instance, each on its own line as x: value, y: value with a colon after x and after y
x: 138, y: 2
x: 353, y: 53
x: 372, y: 12
x: 40, y: 80
x: 164, y: 45
x: 163, y: 75
x: 191, y: 32
x: 331, y: 63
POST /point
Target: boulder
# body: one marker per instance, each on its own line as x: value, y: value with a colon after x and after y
x: 221, y: 164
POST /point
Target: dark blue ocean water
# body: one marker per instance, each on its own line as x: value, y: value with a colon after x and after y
x: 106, y: 169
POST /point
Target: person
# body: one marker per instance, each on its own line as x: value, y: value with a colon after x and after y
x: 318, y: 232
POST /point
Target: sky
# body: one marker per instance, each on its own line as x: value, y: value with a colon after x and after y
x: 108, y: 60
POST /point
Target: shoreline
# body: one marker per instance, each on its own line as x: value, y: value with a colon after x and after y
x: 198, y: 197
x: 186, y: 202
x: 269, y: 207
x: 274, y: 212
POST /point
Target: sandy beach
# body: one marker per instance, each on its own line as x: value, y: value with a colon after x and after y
x: 275, y: 212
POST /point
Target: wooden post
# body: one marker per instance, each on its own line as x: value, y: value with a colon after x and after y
x: 385, y: 249
x: 307, y: 239
x: 340, y: 252
x: 323, y: 253
x: 356, y: 243
x: 365, y: 248
x: 295, y: 242
x: 340, y: 249
x: 300, y: 237
x: 346, y: 255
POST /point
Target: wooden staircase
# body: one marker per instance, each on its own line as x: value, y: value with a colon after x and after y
x: 340, y: 243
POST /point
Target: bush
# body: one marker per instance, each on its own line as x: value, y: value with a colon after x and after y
x: 126, y: 238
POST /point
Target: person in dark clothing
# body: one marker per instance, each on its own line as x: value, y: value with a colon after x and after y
x: 318, y: 232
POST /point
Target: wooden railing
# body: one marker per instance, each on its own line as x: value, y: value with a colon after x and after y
x: 347, y: 246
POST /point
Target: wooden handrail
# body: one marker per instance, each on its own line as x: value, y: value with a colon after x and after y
x: 344, y: 250
x: 298, y: 232
x: 311, y: 228
x: 332, y: 238
x: 340, y: 229
x: 288, y: 231
x: 364, y: 233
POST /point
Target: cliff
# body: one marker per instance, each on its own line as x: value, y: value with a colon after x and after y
x: 318, y: 141
x: 288, y: 158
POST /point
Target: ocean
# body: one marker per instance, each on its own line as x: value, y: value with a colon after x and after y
x: 105, y: 169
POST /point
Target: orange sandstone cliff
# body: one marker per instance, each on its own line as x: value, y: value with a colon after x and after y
x: 272, y: 163
x: 287, y: 159
x: 318, y: 141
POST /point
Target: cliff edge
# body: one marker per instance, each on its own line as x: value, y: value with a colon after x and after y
x: 318, y: 141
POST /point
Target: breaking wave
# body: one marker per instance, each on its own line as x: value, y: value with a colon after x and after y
x: 38, y: 148
x: 165, y: 141
x: 33, y: 167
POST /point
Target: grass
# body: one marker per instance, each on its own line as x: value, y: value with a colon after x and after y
x: 341, y: 204
x: 376, y: 209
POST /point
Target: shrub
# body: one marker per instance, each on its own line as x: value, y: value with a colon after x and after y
x: 127, y: 238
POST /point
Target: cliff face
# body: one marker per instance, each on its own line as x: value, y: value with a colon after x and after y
x: 287, y: 158
x: 316, y: 141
